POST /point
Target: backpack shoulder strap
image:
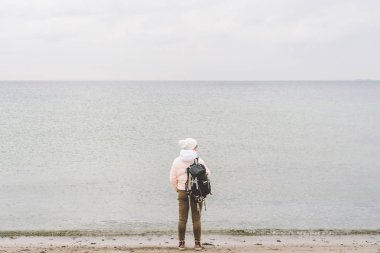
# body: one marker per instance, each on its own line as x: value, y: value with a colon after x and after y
x: 188, y: 180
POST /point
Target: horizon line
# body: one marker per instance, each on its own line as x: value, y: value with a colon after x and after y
x: 189, y: 80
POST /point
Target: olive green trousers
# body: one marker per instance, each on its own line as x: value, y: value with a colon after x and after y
x: 184, y: 202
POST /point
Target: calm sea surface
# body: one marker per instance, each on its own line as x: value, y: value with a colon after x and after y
x: 97, y: 155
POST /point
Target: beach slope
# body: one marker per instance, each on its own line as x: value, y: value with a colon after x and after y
x: 211, y: 243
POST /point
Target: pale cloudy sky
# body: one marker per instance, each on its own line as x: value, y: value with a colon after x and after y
x: 189, y: 39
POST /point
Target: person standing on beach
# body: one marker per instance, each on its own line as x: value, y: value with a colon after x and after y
x: 178, y: 178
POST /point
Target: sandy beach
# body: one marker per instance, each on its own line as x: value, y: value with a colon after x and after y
x: 211, y: 243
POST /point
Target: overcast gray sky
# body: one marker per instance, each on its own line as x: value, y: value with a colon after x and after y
x: 189, y: 39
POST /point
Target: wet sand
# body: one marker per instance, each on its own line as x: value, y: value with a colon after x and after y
x: 211, y: 243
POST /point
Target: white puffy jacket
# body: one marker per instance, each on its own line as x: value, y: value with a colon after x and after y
x: 178, y: 175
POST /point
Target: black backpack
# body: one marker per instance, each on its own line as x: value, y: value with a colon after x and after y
x: 198, y: 184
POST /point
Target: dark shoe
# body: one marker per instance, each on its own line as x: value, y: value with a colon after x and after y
x: 181, y: 245
x: 198, y: 246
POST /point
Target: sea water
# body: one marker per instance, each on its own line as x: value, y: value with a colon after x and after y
x: 97, y: 155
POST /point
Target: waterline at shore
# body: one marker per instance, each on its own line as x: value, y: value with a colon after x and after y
x: 231, y: 232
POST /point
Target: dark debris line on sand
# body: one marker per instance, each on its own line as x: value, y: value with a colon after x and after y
x: 243, y: 232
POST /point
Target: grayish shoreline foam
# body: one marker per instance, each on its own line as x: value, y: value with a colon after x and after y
x: 255, y: 232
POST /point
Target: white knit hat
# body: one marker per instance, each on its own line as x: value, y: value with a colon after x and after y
x: 187, y: 144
